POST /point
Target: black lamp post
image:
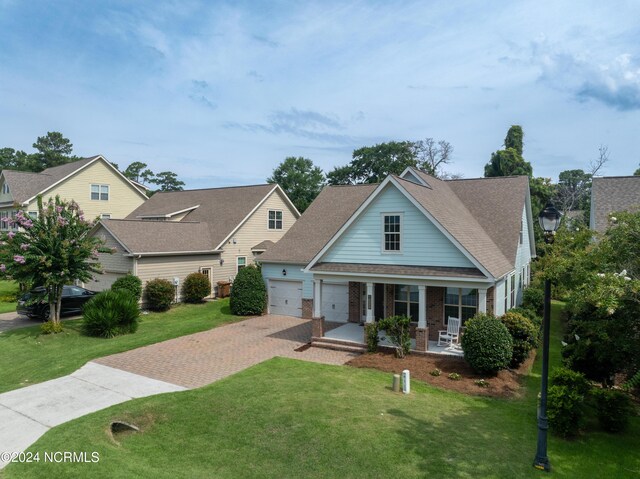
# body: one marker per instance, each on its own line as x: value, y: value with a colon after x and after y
x: 549, y: 222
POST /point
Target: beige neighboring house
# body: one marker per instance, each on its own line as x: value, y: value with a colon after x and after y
x: 94, y: 183
x: 215, y: 231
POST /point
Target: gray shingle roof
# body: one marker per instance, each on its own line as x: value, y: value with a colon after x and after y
x: 25, y: 185
x: 263, y: 245
x: 453, y: 215
x: 324, y: 217
x: 464, y: 208
x: 611, y: 194
x: 222, y: 209
x: 144, y: 237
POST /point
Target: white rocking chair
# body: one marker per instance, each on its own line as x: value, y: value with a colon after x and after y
x: 452, y: 333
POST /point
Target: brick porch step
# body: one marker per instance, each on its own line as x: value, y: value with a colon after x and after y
x: 338, y: 345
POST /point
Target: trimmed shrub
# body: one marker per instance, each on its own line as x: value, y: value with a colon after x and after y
x: 111, y: 313
x: 614, y: 409
x: 531, y: 315
x: 533, y: 298
x: 248, y: 293
x: 50, y: 327
x: 565, y: 410
x: 195, y: 288
x: 159, y: 293
x: 571, y: 379
x: 371, y: 333
x: 130, y: 283
x: 487, y: 344
x: 524, y: 335
x: 397, y: 329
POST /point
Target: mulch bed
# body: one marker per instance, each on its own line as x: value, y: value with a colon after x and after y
x: 506, y: 384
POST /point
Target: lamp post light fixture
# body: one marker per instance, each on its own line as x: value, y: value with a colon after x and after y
x: 549, y: 219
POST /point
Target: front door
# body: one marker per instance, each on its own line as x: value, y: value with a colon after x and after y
x: 207, y: 273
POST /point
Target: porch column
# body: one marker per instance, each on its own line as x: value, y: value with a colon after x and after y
x: 369, y: 316
x: 317, y: 298
x: 482, y: 300
x: 422, y: 304
x: 422, y: 332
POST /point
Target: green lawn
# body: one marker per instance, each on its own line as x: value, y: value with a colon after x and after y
x: 7, y: 290
x: 285, y: 418
x: 27, y: 357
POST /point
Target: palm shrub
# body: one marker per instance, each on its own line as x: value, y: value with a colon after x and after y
x: 248, y: 292
x: 110, y: 313
x: 397, y: 329
x: 130, y: 283
x: 524, y: 335
x: 487, y: 344
x: 159, y: 293
x: 195, y: 288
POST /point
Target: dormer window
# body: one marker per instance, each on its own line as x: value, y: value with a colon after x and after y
x: 275, y: 219
x: 391, y: 237
x: 5, y: 189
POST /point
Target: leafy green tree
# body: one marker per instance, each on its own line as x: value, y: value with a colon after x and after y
x: 53, y: 150
x: 372, y: 164
x: 138, y: 171
x: 509, y: 161
x: 13, y: 159
x: 637, y: 172
x: 300, y: 179
x: 168, y: 181
x: 51, y: 250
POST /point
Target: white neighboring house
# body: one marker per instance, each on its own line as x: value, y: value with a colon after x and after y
x: 216, y: 231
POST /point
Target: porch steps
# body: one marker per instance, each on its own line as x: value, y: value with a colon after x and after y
x: 337, y: 345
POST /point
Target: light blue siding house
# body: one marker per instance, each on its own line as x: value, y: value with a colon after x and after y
x: 414, y: 245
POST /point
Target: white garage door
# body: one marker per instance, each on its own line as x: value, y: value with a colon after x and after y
x: 335, y: 302
x: 102, y: 281
x: 285, y: 298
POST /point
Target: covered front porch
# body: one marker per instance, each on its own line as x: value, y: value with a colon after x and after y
x: 354, y: 333
x: 429, y: 296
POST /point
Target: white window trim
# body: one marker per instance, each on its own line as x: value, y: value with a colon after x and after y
x: 5, y: 189
x: 382, y: 233
x: 238, y: 265
x: 105, y: 216
x: 275, y: 220
x: 100, y: 186
x: 445, y: 319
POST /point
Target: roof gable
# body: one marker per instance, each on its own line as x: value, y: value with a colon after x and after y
x: 25, y: 186
x: 422, y: 242
x: 223, y: 210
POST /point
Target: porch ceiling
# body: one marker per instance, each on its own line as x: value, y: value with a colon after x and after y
x: 399, y: 270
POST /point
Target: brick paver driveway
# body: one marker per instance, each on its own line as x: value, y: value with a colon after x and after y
x: 202, y: 358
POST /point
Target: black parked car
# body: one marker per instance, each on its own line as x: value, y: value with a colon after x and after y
x: 36, y: 305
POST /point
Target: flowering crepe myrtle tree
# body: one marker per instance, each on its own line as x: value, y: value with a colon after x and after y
x: 51, y: 250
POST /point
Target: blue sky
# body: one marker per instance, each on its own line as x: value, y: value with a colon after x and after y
x: 221, y: 92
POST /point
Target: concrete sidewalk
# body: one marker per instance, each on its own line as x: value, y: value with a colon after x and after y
x: 27, y: 413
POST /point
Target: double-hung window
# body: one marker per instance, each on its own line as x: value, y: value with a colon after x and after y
x: 241, y: 262
x: 275, y: 219
x: 460, y: 303
x: 391, y: 236
x: 100, y: 192
x: 5, y: 189
x: 406, y: 301
x: 513, y: 291
x: 4, y: 220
